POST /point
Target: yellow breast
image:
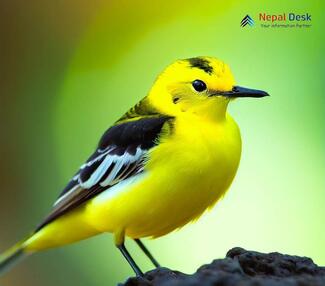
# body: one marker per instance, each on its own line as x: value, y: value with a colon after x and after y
x: 185, y: 174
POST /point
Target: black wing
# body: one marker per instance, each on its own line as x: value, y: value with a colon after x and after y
x: 119, y: 155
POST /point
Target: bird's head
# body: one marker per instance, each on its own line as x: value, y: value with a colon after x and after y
x: 201, y: 85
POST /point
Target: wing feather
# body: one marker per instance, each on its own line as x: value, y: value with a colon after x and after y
x: 120, y: 155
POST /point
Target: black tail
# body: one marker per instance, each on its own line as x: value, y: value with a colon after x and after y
x: 11, y: 257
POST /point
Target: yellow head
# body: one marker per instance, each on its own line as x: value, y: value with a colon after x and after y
x: 201, y: 85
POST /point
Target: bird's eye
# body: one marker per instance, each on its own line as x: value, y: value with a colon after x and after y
x: 199, y: 85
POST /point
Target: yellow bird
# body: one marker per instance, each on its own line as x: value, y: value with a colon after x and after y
x: 161, y: 165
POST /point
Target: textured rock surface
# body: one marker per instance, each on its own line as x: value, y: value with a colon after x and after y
x: 241, y: 268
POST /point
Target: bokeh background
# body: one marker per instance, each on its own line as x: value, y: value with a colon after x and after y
x: 70, y: 68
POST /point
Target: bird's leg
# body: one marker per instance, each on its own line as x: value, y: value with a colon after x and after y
x: 119, y: 237
x: 130, y: 260
x: 147, y: 252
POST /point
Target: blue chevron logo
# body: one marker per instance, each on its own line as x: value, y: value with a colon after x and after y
x: 247, y: 20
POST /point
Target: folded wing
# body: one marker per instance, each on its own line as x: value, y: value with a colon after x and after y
x: 120, y: 154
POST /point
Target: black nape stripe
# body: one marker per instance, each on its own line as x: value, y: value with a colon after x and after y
x: 202, y: 64
x: 175, y: 100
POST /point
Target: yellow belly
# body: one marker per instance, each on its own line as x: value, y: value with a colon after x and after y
x: 184, y: 176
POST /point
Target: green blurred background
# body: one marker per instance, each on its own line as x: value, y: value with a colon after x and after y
x: 70, y: 68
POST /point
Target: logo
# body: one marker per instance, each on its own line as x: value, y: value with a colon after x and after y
x: 247, y: 20
x: 278, y: 20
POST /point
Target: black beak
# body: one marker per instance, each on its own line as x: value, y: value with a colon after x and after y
x: 238, y: 91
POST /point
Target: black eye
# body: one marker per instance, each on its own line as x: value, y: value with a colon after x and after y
x: 199, y: 85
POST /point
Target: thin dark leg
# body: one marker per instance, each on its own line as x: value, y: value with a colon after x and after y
x: 130, y: 260
x: 146, y: 252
